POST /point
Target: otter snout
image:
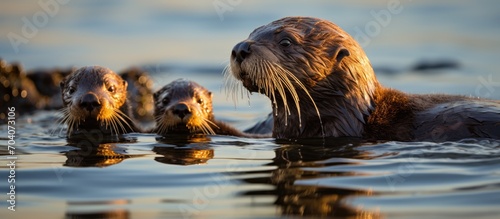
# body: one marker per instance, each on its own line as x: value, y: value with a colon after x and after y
x: 181, y: 110
x: 241, y: 51
x: 89, y: 102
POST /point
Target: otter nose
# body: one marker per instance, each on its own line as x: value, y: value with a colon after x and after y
x: 181, y: 110
x: 90, y: 102
x: 241, y: 51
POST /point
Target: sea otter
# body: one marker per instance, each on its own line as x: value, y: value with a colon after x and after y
x: 185, y: 107
x: 95, y: 99
x: 321, y: 84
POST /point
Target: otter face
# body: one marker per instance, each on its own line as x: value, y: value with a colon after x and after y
x: 286, y: 58
x: 93, y: 96
x: 297, y: 49
x: 183, y: 107
x: 306, y: 66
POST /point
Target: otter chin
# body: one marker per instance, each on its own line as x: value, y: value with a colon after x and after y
x: 321, y: 84
x: 185, y: 107
x: 95, y: 99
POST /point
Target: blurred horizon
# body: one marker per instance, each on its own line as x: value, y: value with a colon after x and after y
x: 120, y: 34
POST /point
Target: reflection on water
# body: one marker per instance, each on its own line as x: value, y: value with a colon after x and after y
x: 314, y: 201
x: 96, y: 150
x: 185, y: 150
x: 100, y: 155
x: 79, y: 210
x: 220, y: 176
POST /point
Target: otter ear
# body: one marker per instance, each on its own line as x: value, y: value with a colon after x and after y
x: 338, y: 53
x: 342, y: 53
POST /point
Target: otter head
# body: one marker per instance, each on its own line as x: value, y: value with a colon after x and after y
x: 318, y: 78
x: 95, y: 98
x: 183, y: 107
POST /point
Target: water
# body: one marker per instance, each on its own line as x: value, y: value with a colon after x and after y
x: 230, y: 177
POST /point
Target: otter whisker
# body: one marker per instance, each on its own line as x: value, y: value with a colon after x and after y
x: 301, y: 85
x: 262, y: 83
x: 63, y: 118
x: 207, y: 123
x: 200, y: 127
x: 233, y: 86
x: 206, y: 129
x: 280, y: 87
x: 288, y: 84
x: 111, y: 124
x: 106, y: 122
x: 70, y: 120
x: 163, y: 126
x: 229, y: 83
x: 120, y: 125
x: 210, y: 122
x: 201, y: 124
x: 124, y: 124
x: 123, y: 117
x: 71, y: 125
x: 283, y: 83
x: 159, y: 124
x: 275, y: 81
x: 115, y: 124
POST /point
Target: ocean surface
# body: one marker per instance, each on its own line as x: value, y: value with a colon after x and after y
x: 232, y: 177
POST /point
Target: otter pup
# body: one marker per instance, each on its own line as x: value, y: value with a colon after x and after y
x: 185, y: 107
x: 95, y: 98
x: 321, y: 84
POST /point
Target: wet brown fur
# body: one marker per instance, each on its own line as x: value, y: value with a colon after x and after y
x: 338, y: 90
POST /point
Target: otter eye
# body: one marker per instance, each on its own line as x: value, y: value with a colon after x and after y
x: 165, y: 100
x: 200, y: 101
x: 285, y: 42
x: 112, y: 88
x: 71, y: 90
